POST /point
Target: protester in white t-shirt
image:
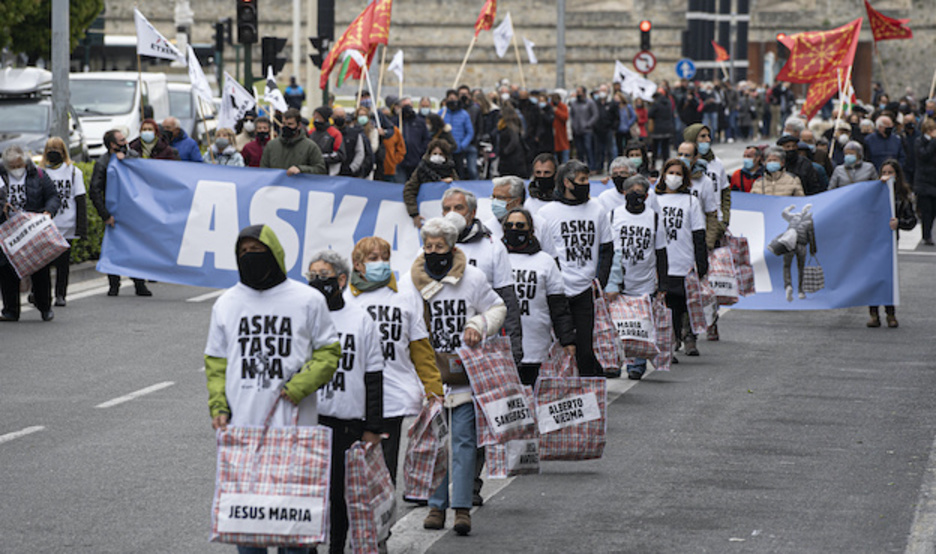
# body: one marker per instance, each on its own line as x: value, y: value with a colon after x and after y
x: 702, y: 188
x: 351, y: 404
x: 640, y: 263
x: 620, y: 169
x: 270, y: 337
x: 544, y: 308
x: 462, y: 308
x: 577, y: 233
x: 410, y: 374
x: 542, y: 187
x: 684, y: 226
x: 72, y: 217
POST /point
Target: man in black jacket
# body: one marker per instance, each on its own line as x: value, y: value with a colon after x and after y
x: 116, y: 145
x: 416, y: 137
x: 799, y: 166
x: 608, y: 118
x: 26, y: 188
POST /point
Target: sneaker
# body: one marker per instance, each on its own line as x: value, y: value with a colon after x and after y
x: 875, y: 321
x: 417, y: 501
x: 476, y: 499
x: 612, y: 373
x: 675, y: 360
x: 48, y: 316
x: 789, y: 294
x: 634, y: 375
x: 462, y: 521
x: 435, y: 519
x: 801, y: 295
x: 891, y: 321
x: 712, y: 332
x: 928, y: 242
x: 60, y: 301
x: 690, y: 348
x: 7, y: 316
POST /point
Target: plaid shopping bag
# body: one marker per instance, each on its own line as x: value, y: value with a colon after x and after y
x: 666, y: 339
x: 272, y: 485
x: 723, y: 277
x: 504, y: 411
x: 741, y: 256
x: 633, y: 320
x: 516, y: 457
x: 570, y: 413
x: 608, y: 348
x: 30, y: 242
x: 424, y: 465
x: 813, y: 276
x: 701, y: 302
x: 369, y: 496
x: 558, y: 363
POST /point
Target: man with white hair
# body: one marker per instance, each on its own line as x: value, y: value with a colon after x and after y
x: 178, y: 139
x: 884, y: 144
x: 620, y: 169
x: 508, y: 193
x: 794, y: 126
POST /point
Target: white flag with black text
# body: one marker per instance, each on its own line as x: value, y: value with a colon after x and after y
x: 235, y: 102
x: 151, y: 43
x: 632, y: 83
x: 272, y: 95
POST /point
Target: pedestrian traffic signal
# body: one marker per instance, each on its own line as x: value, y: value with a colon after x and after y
x: 270, y: 57
x: 645, y: 26
x: 219, y: 37
x: 321, y: 44
x: 228, y: 35
x: 247, y: 21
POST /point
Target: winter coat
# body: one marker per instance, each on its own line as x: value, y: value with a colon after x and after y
x: 584, y: 114
x: 186, y: 147
x: 99, y: 183
x: 879, y: 149
x: 742, y: 180
x: 510, y: 152
x: 803, y: 168
x: 416, y: 138
x: 299, y: 151
x: 253, y: 152
x: 925, y: 177
x: 41, y: 195
x: 426, y: 172
x: 608, y: 117
x: 662, y: 115
x: 395, y: 151
x: 331, y: 143
x: 462, y: 131
x: 779, y: 183
x: 162, y: 151
x: 357, y: 151
x: 229, y: 156
x: 843, y: 175
x: 560, y: 132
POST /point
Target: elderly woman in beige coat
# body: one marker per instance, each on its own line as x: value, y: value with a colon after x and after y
x: 776, y: 181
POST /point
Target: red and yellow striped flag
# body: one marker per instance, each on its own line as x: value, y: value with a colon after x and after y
x: 355, y: 37
x: 486, y: 18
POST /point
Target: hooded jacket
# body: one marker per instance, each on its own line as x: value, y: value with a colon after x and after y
x: 186, y: 147
x: 315, y: 372
x: 299, y: 151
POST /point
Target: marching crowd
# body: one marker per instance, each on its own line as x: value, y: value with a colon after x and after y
x: 372, y: 347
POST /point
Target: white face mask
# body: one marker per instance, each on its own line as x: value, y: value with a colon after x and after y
x: 458, y: 220
x: 673, y: 182
x: 505, y: 96
x: 843, y: 138
x: 17, y: 173
x: 249, y: 126
x: 437, y: 159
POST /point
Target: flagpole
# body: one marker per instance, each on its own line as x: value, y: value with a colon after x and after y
x: 401, y: 98
x: 519, y: 65
x: 465, y: 61
x: 380, y: 74
x: 845, y: 88
x: 201, y: 114
x: 360, y: 91
x: 366, y: 75
x: 932, y: 87
x: 881, y: 63
x: 841, y: 109
x: 140, y: 84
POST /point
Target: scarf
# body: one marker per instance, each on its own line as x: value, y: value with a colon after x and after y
x: 426, y: 285
x: 532, y: 247
x: 428, y: 172
x: 359, y: 284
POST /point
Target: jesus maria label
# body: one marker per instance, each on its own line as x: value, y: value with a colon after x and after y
x: 271, y: 515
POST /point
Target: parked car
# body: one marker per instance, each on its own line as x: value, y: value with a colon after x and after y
x: 26, y: 113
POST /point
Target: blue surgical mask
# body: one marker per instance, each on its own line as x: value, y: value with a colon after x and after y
x: 850, y: 159
x: 499, y: 207
x: 773, y: 167
x: 147, y: 136
x: 377, y: 272
x: 748, y: 163
x: 636, y: 161
x: 542, y: 105
x: 882, y: 105
x: 362, y: 120
x: 367, y: 103
x: 685, y: 161
x: 703, y: 163
x: 424, y: 111
x: 704, y: 147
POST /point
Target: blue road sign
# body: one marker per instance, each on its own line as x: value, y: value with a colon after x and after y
x: 685, y: 68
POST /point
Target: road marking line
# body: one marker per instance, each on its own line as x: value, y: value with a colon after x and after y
x: 908, y: 245
x: 137, y: 394
x: 17, y: 434
x: 907, y: 253
x: 206, y: 296
x: 923, y: 531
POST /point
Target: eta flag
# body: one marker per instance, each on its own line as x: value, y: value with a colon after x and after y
x: 151, y: 43
x: 200, y: 84
x: 633, y: 84
x: 235, y: 102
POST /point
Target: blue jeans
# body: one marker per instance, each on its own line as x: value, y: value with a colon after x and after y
x: 583, y: 148
x: 732, y: 131
x: 464, y: 445
x: 471, y: 161
x: 710, y: 120
x: 605, y: 149
x: 639, y: 365
x: 563, y: 156
x: 280, y: 550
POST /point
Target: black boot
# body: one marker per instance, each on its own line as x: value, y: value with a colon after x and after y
x: 114, y: 282
x: 141, y: 289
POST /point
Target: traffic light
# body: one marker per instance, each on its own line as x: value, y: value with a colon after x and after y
x: 247, y: 21
x: 228, y: 35
x: 270, y: 57
x: 219, y: 37
x: 322, y: 45
x: 645, y: 26
x: 782, y: 51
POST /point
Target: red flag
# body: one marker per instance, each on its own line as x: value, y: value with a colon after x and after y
x: 355, y: 37
x: 721, y: 55
x: 887, y: 28
x: 380, y: 25
x: 816, y: 55
x: 486, y: 18
x: 819, y: 93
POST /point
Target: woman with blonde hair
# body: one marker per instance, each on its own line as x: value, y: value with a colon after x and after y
x: 224, y: 151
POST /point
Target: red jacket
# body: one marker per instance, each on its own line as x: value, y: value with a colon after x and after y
x: 252, y: 152
x: 560, y: 133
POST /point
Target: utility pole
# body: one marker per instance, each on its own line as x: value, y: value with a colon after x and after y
x: 296, y: 49
x: 560, y: 44
x: 312, y: 72
x: 60, y: 69
x: 733, y: 39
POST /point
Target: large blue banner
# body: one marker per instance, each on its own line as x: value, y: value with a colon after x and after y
x: 177, y: 222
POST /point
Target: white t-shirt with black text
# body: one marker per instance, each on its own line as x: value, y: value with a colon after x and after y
x: 680, y: 215
x: 266, y: 337
x: 345, y: 396
x: 490, y: 256
x: 703, y: 189
x: 69, y: 183
x: 573, y: 233
x: 716, y: 173
x: 536, y: 277
x: 16, y: 191
x: 637, y: 237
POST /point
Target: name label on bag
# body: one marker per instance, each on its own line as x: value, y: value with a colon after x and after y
x: 639, y: 329
x: 508, y: 413
x: 22, y: 235
x: 383, y: 517
x: 571, y: 410
x: 270, y: 515
x: 523, y: 456
x: 724, y: 285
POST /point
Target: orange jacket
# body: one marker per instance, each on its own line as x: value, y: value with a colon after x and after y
x: 395, y: 151
x: 560, y: 133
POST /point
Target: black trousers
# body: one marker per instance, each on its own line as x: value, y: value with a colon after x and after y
x: 528, y: 373
x: 582, y: 307
x: 9, y: 286
x: 677, y: 304
x: 61, y: 265
x: 393, y: 426
x: 927, y: 207
x: 345, y: 432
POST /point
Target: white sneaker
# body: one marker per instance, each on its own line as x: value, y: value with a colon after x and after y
x: 802, y: 296
x: 731, y: 140
x: 789, y: 294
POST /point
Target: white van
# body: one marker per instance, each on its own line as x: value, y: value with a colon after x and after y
x: 107, y: 100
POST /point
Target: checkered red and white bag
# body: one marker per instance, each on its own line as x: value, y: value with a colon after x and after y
x: 723, y: 276
x: 516, y: 457
x: 369, y: 496
x: 633, y: 319
x: 666, y: 339
x: 741, y: 255
x: 558, y: 363
x: 272, y: 485
x: 30, y: 242
x: 608, y: 348
x: 570, y: 415
x: 701, y: 303
x: 426, y: 459
x: 504, y: 411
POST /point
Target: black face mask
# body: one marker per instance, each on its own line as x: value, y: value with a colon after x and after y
x: 580, y: 192
x: 122, y: 149
x: 453, y: 105
x: 167, y: 136
x: 330, y: 289
x: 516, y: 238
x: 438, y: 265
x: 635, y: 201
x: 908, y: 127
x: 888, y: 131
x: 339, y: 123
x: 544, y: 186
x: 54, y: 157
x: 263, y: 135
x: 619, y: 182
x: 791, y: 156
x: 466, y: 101
x: 289, y: 132
x: 320, y: 125
x: 259, y: 270
x: 408, y: 112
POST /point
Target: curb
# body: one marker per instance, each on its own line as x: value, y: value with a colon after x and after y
x: 85, y: 271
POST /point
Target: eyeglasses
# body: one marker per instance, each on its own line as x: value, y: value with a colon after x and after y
x: 320, y: 276
x: 502, y: 198
x: 518, y: 225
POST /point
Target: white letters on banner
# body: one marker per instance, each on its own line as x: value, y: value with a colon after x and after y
x: 572, y: 410
x: 212, y: 221
x: 270, y: 515
x: 266, y: 205
x: 508, y: 413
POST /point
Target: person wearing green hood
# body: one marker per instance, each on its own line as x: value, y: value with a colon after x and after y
x: 277, y: 337
x: 715, y: 170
